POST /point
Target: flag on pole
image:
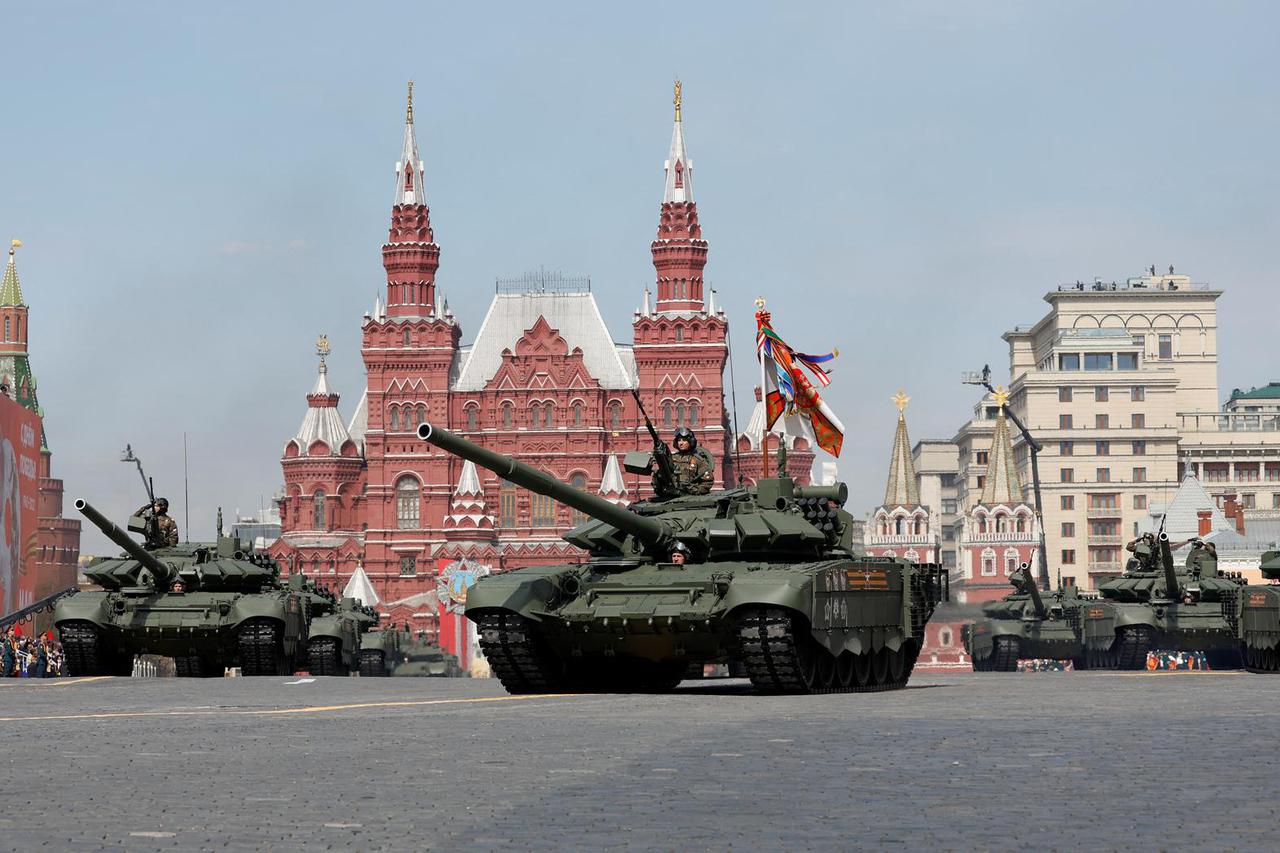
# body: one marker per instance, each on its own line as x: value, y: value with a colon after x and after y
x: 788, y: 391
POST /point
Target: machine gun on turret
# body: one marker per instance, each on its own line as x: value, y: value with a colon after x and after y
x: 1026, y: 584
x: 664, y: 480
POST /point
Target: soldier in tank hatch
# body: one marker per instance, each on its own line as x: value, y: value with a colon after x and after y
x: 692, y: 465
x: 162, y: 531
x: 680, y: 554
x: 1143, y: 549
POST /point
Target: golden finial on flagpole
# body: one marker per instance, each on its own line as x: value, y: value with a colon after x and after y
x: 677, y: 98
x: 900, y: 400
x: 408, y: 117
x: 1001, y: 396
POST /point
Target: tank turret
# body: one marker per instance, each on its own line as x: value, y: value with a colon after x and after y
x: 158, y: 574
x: 1027, y: 586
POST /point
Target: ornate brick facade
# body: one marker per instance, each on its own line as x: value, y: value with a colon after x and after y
x: 543, y: 381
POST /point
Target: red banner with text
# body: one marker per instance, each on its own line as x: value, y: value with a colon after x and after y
x: 19, y: 491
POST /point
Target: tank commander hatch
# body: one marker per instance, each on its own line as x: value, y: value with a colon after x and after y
x: 162, y: 531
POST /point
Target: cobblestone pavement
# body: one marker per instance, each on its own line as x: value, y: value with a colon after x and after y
x: 965, y: 761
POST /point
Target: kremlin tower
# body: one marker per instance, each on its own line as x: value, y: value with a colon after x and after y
x: 57, y: 539
x: 900, y: 526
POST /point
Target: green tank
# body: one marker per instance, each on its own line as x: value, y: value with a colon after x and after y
x: 1023, y: 626
x: 772, y: 581
x: 338, y: 628
x: 380, y: 651
x: 1259, y: 625
x: 233, y: 609
x: 415, y: 657
x: 1156, y: 606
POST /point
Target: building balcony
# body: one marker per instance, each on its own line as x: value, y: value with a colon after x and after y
x: 1009, y: 538
x: 1115, y: 539
x: 1229, y: 421
x: 1103, y: 512
x: 894, y: 539
x: 1104, y: 567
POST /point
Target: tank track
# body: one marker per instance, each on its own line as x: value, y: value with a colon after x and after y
x: 188, y: 666
x: 372, y: 663
x: 1093, y: 658
x: 323, y: 657
x: 1131, y: 647
x: 1264, y: 661
x: 517, y: 657
x: 80, y: 648
x: 1221, y: 659
x: 260, y: 648
x: 1004, y: 654
x: 781, y: 657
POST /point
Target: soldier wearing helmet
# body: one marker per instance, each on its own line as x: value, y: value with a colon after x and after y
x: 162, y: 531
x: 679, y: 553
x: 691, y: 464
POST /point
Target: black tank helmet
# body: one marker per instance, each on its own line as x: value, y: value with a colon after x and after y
x: 687, y: 435
x: 163, y: 503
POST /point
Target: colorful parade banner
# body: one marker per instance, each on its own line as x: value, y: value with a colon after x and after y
x: 19, y: 491
x: 786, y: 388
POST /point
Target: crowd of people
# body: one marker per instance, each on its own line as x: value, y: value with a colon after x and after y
x: 29, y: 657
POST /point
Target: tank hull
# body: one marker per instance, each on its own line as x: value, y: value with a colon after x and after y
x: 204, y: 631
x: 1259, y: 628
x: 640, y: 626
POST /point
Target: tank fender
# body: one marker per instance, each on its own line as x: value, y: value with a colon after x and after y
x: 530, y: 597
x: 88, y: 607
x: 979, y: 640
x: 789, y: 593
x: 1127, y: 616
x: 254, y: 607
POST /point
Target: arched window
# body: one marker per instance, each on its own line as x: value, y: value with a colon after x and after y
x: 680, y: 414
x: 508, y: 415
x: 408, y: 503
x: 535, y: 415
x: 6, y: 328
x: 317, y: 510
x: 666, y: 414
x: 679, y: 333
x: 579, y: 482
x: 615, y: 416
x: 989, y: 563
x: 393, y: 419
x: 542, y: 511
x: 944, y: 637
x: 507, y: 503
x: 577, y: 414
x: 693, y: 414
x: 1010, y: 561
x: 473, y: 417
x: 422, y: 417
x: 407, y: 339
x: 548, y: 414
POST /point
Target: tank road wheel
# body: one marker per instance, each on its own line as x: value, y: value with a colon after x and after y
x: 261, y: 648
x: 824, y: 670
x: 664, y: 677
x: 1131, y: 647
x: 846, y: 676
x: 863, y: 670
x: 880, y: 666
x: 518, y: 656
x: 1224, y: 659
x: 898, y: 667
x: 324, y: 657
x: 80, y: 648
x: 187, y: 666
x: 373, y: 664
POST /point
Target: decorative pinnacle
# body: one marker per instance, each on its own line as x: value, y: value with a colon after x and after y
x: 322, y: 346
x: 759, y: 301
x: 900, y: 400
x: 408, y: 116
x: 14, y: 244
x: 1001, y: 396
x: 676, y: 100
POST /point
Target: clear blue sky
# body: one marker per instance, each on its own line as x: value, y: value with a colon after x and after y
x: 202, y: 192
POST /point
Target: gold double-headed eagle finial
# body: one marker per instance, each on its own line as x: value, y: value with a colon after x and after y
x: 676, y: 100
x: 1001, y: 396
x: 15, y: 243
x: 408, y: 116
x: 322, y: 346
x: 759, y: 302
x: 900, y: 400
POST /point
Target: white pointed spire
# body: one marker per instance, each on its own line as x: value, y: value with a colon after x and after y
x: 377, y: 307
x: 469, y: 481
x: 678, y: 167
x: 409, y: 185
x: 646, y: 310
x: 439, y: 306
x: 711, y: 302
x: 361, y: 588
x: 612, y: 487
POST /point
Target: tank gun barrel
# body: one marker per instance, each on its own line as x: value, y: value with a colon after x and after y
x: 159, y: 570
x: 1171, y: 589
x: 651, y: 532
x: 1033, y: 589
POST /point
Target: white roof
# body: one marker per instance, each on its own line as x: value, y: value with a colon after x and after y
x: 322, y: 421
x: 360, y: 588
x: 1181, y: 520
x: 469, y: 481
x: 574, y: 316
x: 360, y: 420
x: 409, y: 169
x: 612, y: 483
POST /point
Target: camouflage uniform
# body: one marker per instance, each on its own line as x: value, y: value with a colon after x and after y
x: 693, y: 472
x: 165, y: 529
